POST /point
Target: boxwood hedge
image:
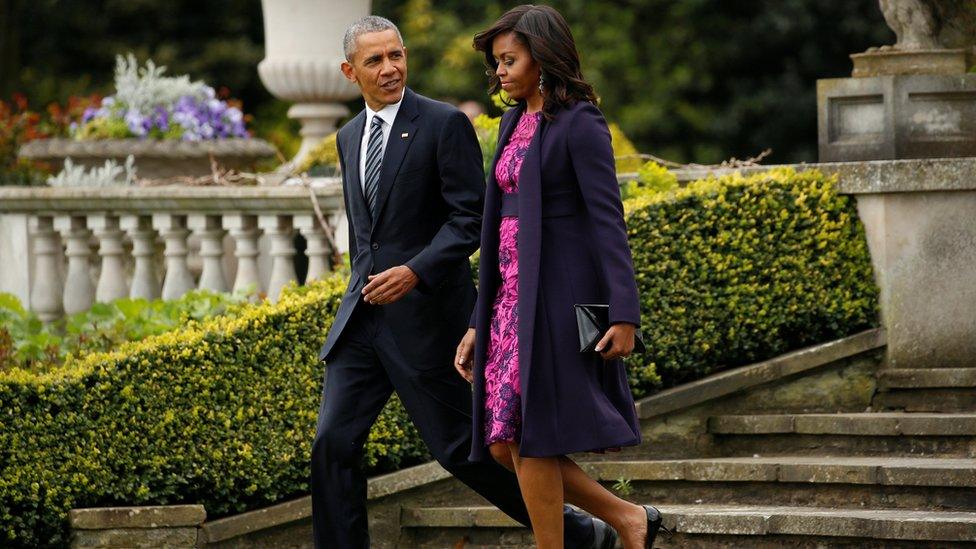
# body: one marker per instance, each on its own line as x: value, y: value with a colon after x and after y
x: 736, y: 269
x: 220, y: 413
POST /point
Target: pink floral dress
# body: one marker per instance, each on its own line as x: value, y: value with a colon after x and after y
x: 503, y: 392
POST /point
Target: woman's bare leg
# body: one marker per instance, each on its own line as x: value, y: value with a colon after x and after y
x: 540, y: 480
x: 628, y: 519
x: 502, y: 455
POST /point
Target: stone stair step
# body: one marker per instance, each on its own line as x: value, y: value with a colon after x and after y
x: 873, y: 482
x: 858, y: 434
x: 746, y: 523
x: 858, y: 424
x: 927, y: 390
x: 878, y: 482
x: 926, y: 400
x: 908, y: 378
x: 895, y: 471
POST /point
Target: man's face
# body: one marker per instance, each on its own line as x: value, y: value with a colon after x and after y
x: 378, y: 67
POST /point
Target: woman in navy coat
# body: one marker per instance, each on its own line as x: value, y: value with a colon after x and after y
x: 553, y: 235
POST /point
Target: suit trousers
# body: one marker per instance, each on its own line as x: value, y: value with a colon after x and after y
x: 365, y: 368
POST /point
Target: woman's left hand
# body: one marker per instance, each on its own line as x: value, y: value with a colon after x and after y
x: 618, y: 342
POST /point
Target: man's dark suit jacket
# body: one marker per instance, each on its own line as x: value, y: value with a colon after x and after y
x: 429, y: 206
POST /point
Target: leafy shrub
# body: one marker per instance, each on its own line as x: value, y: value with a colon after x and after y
x: 27, y: 343
x: 486, y: 127
x: 323, y: 155
x: 652, y: 178
x: 740, y: 269
x: 220, y: 412
x: 627, y: 158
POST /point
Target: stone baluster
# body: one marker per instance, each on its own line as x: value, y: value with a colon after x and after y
x: 318, y: 250
x: 111, y: 281
x: 211, y: 233
x: 340, y: 224
x: 178, y: 279
x: 244, y: 230
x: 145, y: 283
x: 279, y: 228
x: 46, y: 292
x: 79, y: 289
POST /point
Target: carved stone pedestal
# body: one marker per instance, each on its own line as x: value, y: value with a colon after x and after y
x: 894, y: 117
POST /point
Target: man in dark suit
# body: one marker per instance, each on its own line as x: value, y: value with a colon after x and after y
x: 414, y: 190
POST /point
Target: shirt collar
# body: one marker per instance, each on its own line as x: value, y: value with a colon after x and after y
x: 387, y: 113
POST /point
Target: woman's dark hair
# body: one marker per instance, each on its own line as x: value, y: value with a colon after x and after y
x: 545, y: 33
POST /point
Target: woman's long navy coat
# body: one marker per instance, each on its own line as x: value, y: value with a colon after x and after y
x: 572, y: 248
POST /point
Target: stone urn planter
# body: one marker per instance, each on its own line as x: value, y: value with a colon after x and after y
x: 303, y: 53
x: 153, y: 158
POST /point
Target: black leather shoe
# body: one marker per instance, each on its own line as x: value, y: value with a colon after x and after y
x: 653, y: 525
x: 604, y: 536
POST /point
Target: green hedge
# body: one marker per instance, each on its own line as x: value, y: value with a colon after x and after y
x: 220, y: 413
x: 740, y: 269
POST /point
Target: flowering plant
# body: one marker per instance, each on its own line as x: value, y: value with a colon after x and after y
x: 19, y: 124
x: 149, y: 105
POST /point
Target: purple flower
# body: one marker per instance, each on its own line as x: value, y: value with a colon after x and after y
x: 203, y: 117
x: 234, y: 115
x: 136, y: 123
x: 88, y: 114
x: 161, y: 119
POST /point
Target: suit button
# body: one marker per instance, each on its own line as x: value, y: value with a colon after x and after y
x: 375, y: 246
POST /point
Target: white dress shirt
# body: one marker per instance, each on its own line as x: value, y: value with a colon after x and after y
x: 388, y: 115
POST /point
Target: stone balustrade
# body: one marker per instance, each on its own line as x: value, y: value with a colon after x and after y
x: 63, y: 249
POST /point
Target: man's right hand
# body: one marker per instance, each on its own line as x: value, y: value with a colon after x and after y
x: 465, y: 352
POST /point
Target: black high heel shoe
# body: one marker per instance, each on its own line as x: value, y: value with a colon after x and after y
x: 654, y: 525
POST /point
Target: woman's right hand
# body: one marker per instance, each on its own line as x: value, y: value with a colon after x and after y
x: 465, y: 352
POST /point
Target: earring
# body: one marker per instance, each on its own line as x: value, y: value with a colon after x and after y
x: 542, y: 81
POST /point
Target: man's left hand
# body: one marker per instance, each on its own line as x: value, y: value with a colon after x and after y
x: 390, y: 285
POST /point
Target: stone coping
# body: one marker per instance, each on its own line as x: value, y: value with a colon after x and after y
x: 298, y: 509
x: 749, y: 520
x: 865, y: 424
x: 169, y: 198
x: 872, y: 177
x: 745, y: 377
x: 60, y: 147
x: 879, y: 470
x: 162, y: 516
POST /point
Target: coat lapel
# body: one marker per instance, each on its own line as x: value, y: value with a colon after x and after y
x: 402, y: 134
x: 354, y: 186
x: 529, y: 251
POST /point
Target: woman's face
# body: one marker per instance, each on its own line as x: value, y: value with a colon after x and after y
x: 517, y: 70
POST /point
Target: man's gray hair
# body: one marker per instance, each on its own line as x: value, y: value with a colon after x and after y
x: 366, y: 25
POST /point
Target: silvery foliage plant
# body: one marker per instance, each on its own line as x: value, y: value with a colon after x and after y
x: 111, y: 174
x: 149, y: 104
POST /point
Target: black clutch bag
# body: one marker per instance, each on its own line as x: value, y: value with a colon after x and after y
x: 593, y: 321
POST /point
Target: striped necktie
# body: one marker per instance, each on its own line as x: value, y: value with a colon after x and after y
x: 374, y: 160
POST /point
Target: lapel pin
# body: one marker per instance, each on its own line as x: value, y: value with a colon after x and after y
x: 404, y: 135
